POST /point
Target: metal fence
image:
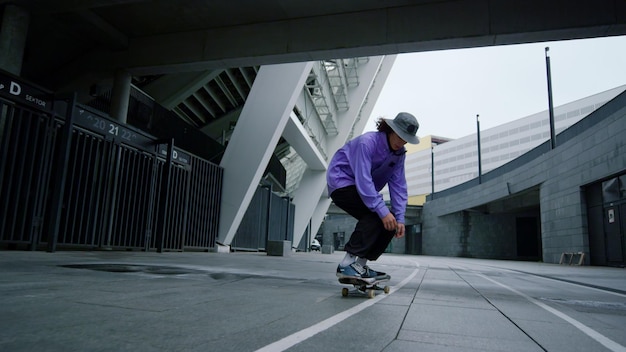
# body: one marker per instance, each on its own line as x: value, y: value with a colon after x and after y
x: 27, y: 140
x: 268, y: 218
x: 71, y: 177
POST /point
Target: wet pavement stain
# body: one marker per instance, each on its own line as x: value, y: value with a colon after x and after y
x: 133, y: 268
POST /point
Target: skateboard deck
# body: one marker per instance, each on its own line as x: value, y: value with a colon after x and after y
x: 363, y: 287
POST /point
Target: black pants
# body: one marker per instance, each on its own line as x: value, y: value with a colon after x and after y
x: 369, y: 239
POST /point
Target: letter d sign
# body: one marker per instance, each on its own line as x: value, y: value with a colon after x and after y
x: 15, y: 89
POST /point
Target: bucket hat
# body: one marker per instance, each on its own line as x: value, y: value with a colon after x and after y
x: 405, y: 126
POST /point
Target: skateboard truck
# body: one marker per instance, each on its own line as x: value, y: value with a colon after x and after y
x: 363, y: 287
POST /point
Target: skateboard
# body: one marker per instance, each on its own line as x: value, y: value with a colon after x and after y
x: 363, y: 287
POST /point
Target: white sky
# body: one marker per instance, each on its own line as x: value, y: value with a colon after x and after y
x: 445, y: 90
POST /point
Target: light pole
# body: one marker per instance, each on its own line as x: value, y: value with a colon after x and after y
x: 480, y: 167
x: 432, y: 170
x: 550, y: 107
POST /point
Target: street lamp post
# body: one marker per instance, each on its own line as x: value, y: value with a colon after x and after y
x: 432, y: 170
x: 480, y: 167
x: 550, y: 106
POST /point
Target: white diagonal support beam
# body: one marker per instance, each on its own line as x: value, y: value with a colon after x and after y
x: 260, y: 125
x: 298, y: 138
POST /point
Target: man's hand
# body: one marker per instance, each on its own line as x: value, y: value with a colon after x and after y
x: 399, y: 230
x: 389, y: 221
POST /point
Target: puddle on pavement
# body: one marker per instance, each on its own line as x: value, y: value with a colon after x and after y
x: 133, y: 268
x: 151, y: 269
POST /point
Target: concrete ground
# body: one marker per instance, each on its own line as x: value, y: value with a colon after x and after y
x: 135, y: 301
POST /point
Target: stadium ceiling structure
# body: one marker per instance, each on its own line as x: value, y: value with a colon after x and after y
x: 199, y: 58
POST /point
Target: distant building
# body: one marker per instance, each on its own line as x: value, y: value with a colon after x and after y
x: 456, y: 161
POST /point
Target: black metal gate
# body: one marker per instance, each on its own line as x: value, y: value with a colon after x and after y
x: 27, y: 141
x: 268, y: 217
x: 72, y: 177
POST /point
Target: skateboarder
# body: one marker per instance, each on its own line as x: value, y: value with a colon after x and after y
x: 356, y: 174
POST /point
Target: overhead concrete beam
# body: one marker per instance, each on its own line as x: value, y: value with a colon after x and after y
x: 415, y: 27
x: 171, y: 90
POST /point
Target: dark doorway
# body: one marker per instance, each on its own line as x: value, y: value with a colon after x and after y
x: 606, y: 219
x: 528, y: 238
x: 339, y: 239
x: 615, y: 221
x: 413, y: 239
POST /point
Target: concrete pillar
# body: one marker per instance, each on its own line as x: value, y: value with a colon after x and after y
x: 319, y: 213
x: 120, y: 96
x: 306, y: 198
x: 260, y: 125
x: 13, y: 32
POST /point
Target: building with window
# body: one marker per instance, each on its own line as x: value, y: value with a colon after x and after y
x: 557, y: 202
x: 456, y: 161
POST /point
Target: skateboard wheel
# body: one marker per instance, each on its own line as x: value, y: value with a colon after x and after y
x: 371, y: 293
x: 345, y: 292
x: 386, y: 289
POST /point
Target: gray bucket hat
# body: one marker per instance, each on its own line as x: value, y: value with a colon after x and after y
x: 405, y: 125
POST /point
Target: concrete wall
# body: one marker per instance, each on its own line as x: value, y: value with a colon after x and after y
x: 593, y: 149
x: 346, y: 223
x: 442, y: 234
x: 471, y: 234
x: 337, y: 223
x: 597, y: 153
x: 492, y: 236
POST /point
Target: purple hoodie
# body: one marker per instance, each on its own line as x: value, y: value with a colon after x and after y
x: 368, y: 162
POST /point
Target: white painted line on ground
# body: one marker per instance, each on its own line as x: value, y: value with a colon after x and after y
x: 583, y: 286
x: 573, y: 283
x: 605, y: 341
x: 313, y: 330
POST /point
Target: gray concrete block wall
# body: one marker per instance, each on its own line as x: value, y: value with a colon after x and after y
x: 346, y: 224
x: 337, y: 223
x: 492, y: 236
x: 596, y: 153
x: 444, y: 233
x: 397, y: 245
x: 487, y: 236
